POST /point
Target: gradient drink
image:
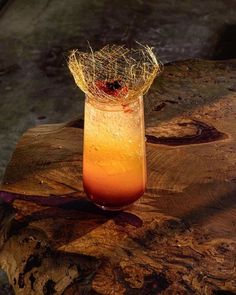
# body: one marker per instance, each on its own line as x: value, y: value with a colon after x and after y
x: 114, y: 160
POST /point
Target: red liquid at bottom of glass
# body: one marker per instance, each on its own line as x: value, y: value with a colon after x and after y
x: 115, y: 200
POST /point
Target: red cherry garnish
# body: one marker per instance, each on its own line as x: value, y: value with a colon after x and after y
x: 113, y: 88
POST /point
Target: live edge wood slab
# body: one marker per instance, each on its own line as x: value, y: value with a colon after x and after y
x: 180, y: 238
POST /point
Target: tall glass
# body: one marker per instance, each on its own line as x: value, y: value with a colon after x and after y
x: 114, y: 158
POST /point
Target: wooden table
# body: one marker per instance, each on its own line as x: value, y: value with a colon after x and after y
x: 180, y: 238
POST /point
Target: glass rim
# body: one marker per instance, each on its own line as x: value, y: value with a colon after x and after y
x: 110, y: 105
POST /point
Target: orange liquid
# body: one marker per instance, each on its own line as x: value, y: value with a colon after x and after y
x: 114, y: 160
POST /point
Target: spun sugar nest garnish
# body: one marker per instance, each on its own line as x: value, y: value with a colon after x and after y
x: 114, y: 73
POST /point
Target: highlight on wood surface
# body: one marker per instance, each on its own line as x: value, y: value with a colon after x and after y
x: 114, y: 73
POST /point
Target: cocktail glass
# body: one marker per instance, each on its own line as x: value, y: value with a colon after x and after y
x: 114, y: 157
x: 114, y: 80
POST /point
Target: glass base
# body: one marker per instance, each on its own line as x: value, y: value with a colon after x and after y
x: 105, y: 208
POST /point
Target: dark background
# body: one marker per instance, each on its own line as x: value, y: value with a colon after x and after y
x: 36, y: 35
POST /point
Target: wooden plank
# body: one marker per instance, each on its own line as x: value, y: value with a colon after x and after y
x: 180, y: 238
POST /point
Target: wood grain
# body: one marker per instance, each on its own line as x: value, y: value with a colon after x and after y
x: 179, y: 238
